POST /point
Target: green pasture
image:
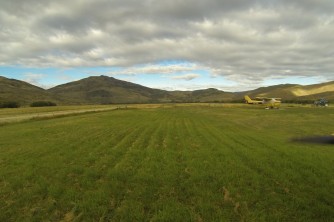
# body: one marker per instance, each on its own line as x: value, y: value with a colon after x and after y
x: 169, y: 163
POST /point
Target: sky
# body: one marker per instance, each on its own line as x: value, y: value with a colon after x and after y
x: 231, y: 45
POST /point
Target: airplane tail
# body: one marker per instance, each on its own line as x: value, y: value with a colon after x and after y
x: 248, y: 100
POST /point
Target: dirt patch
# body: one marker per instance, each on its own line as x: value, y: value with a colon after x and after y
x: 25, y: 117
x: 239, y: 208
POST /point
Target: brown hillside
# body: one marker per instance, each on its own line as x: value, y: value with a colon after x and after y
x: 22, y: 92
x: 105, y: 90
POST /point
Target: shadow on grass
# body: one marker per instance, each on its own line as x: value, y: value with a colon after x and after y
x: 315, y: 140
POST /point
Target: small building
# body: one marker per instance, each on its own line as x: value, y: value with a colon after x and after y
x: 321, y: 102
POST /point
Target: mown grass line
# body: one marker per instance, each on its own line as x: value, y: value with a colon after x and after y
x: 258, y: 180
x: 252, y: 155
x: 167, y: 164
x: 226, y: 166
x: 131, y: 152
x: 142, y: 196
x: 69, y: 148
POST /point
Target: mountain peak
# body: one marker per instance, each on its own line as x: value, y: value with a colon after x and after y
x: 105, y: 89
x: 100, y: 77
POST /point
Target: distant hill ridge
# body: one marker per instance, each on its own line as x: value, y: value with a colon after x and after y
x: 22, y: 92
x: 107, y: 90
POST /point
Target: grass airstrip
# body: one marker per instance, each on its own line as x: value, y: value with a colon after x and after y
x: 167, y: 163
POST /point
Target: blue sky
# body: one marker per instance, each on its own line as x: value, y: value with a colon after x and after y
x: 171, y: 80
x: 231, y: 45
x: 197, y: 79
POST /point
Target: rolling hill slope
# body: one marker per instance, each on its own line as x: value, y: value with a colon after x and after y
x: 106, y: 90
x: 22, y: 92
x: 296, y: 92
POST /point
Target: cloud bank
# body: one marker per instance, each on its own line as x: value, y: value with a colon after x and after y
x: 245, y: 41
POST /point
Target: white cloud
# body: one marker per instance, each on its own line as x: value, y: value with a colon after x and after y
x: 246, y: 41
x: 33, y: 78
x: 155, y: 69
x: 187, y: 77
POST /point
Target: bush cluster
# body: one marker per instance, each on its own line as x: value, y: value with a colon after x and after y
x: 9, y: 104
x: 42, y: 103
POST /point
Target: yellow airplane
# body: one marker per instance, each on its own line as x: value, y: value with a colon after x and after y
x: 270, y: 103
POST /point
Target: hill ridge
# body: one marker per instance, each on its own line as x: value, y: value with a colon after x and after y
x: 107, y: 90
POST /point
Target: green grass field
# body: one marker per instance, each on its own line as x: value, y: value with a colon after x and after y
x: 173, y: 163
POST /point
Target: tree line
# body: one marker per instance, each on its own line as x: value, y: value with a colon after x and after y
x: 14, y: 104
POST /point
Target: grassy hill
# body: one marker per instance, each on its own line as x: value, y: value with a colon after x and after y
x: 22, y: 92
x: 202, y: 95
x: 324, y: 90
x: 296, y: 92
x: 107, y: 90
x: 212, y: 95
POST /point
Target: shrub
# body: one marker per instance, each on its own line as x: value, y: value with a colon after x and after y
x: 9, y: 104
x: 42, y: 103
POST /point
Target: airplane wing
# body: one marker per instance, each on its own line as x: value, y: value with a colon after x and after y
x: 267, y: 98
x: 257, y: 102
